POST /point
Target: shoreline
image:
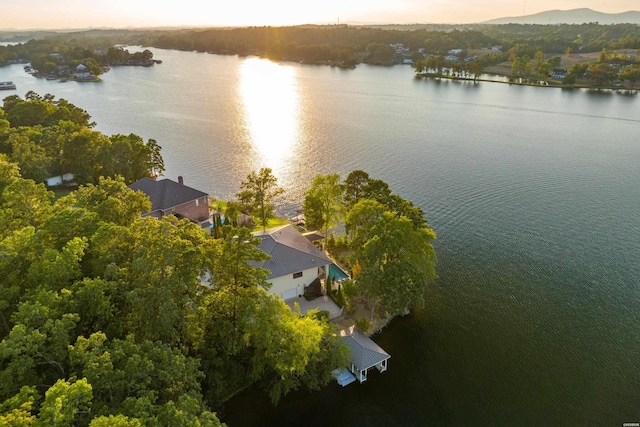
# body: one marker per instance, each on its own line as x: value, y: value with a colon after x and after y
x: 548, y: 85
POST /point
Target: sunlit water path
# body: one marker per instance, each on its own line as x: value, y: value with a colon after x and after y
x: 534, y: 194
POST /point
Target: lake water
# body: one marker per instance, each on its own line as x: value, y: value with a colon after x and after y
x: 534, y: 194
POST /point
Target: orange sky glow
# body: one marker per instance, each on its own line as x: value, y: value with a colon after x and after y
x: 59, y: 14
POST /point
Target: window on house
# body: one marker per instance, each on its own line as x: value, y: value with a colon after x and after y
x: 197, y: 202
x: 296, y: 275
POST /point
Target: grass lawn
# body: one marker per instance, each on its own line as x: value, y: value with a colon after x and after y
x: 273, y: 222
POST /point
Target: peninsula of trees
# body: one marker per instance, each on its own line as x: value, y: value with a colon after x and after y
x: 111, y: 318
x: 60, y: 58
x: 387, y: 245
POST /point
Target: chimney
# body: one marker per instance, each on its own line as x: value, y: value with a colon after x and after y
x: 180, y: 180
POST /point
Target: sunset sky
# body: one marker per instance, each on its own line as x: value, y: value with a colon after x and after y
x: 27, y: 14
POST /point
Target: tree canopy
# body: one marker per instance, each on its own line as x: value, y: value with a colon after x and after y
x: 48, y: 137
x: 323, y: 202
x: 389, y: 244
x: 258, y: 193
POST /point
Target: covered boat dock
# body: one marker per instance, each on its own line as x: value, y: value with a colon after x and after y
x: 365, y: 353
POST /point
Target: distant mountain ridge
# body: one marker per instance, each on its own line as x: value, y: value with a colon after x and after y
x: 573, y: 16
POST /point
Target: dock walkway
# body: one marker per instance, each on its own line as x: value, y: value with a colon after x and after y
x: 343, y: 376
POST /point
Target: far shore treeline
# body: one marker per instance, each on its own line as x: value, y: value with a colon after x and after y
x: 343, y: 45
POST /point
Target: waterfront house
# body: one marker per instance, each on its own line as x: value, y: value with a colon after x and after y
x: 295, y: 261
x: 174, y: 198
x: 82, y: 72
x: 558, y: 73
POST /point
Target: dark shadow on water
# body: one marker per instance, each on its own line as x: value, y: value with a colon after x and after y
x: 599, y: 92
x: 382, y: 400
x: 442, y: 82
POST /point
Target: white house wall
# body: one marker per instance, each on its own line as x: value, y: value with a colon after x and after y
x: 282, y: 283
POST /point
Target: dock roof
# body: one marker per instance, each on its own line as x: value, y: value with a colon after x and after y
x: 365, y: 353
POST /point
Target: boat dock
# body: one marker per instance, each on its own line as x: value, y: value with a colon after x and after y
x: 365, y: 354
x: 7, y: 86
x: 343, y: 376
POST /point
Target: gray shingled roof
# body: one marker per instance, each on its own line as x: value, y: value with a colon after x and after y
x: 165, y: 193
x: 365, y: 353
x: 313, y: 236
x: 290, y: 252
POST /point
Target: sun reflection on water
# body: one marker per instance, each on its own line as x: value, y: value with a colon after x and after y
x: 271, y: 107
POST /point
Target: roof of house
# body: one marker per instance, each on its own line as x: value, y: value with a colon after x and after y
x: 165, y: 193
x: 313, y: 236
x: 365, y: 353
x: 290, y: 252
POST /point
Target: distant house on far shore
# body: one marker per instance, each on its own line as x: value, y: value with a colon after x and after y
x: 174, y: 198
x: 558, y: 73
x: 82, y: 72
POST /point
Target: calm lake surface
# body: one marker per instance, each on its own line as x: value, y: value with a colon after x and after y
x: 534, y: 194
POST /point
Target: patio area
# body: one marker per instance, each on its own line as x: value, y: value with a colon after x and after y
x: 321, y: 303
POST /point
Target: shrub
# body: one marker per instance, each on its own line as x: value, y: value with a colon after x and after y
x: 331, y: 242
x: 351, y: 307
x: 337, y: 297
x: 349, y: 288
x: 322, y: 315
x: 363, y: 325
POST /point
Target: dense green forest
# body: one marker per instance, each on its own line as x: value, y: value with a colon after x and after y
x: 109, y: 318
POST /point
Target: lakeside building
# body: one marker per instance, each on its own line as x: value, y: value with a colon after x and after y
x: 294, y: 264
x: 365, y: 354
x: 174, y: 198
